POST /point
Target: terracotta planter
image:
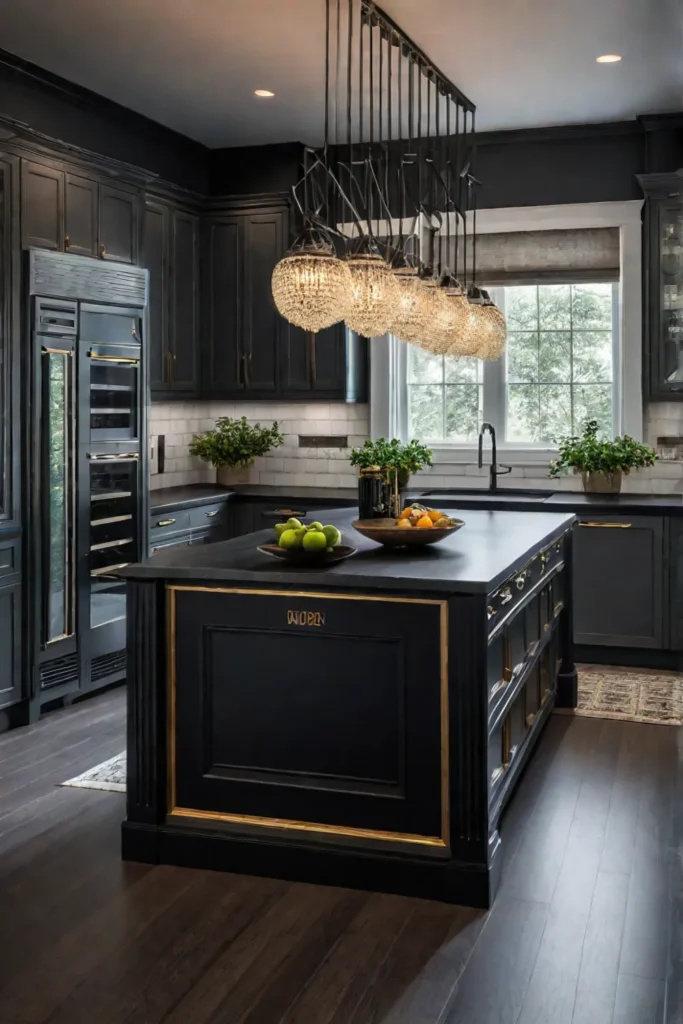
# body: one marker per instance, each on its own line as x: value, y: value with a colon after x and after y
x: 602, y: 483
x: 228, y: 476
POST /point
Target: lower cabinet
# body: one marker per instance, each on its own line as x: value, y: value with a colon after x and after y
x: 619, y: 581
x: 10, y: 622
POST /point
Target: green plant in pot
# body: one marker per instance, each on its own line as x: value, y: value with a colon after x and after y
x: 601, y: 463
x: 396, y: 459
x: 233, y: 445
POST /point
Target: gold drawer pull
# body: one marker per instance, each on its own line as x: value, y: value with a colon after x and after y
x: 214, y: 513
x: 165, y: 522
x: 608, y: 526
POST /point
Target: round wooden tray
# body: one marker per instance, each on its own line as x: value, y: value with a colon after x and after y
x: 297, y: 556
x: 385, y: 531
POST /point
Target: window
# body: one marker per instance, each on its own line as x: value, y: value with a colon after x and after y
x: 557, y: 372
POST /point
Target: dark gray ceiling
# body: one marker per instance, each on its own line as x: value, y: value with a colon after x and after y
x: 193, y: 64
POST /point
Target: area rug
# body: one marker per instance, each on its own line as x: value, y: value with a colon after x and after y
x: 629, y: 695
x: 110, y: 775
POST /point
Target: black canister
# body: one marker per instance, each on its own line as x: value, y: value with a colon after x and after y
x: 373, y: 498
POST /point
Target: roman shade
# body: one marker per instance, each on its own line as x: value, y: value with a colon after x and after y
x: 550, y: 257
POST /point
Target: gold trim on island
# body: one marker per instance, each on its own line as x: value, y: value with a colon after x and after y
x: 442, y: 841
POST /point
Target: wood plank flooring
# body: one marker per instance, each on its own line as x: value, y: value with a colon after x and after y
x: 580, y: 932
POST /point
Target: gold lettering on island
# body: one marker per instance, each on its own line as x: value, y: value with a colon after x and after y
x: 302, y: 618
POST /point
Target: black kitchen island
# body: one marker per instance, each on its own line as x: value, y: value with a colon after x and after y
x: 360, y: 725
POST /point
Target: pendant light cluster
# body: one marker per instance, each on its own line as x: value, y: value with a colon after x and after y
x: 385, y: 202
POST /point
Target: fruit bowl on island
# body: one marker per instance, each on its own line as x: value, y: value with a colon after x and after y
x: 310, y: 545
x: 416, y: 526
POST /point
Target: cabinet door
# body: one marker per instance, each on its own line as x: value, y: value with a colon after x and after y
x: 10, y: 644
x: 262, y: 322
x: 42, y: 206
x: 184, y: 301
x: 118, y: 228
x: 80, y: 215
x: 222, y: 352
x: 155, y: 259
x: 618, y: 581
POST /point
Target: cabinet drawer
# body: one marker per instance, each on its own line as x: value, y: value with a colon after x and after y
x: 167, y: 523
x: 209, y: 515
x: 10, y: 559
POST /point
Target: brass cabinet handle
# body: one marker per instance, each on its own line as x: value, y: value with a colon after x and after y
x: 122, y: 457
x: 165, y: 522
x: 209, y: 514
x: 67, y: 243
x: 608, y: 526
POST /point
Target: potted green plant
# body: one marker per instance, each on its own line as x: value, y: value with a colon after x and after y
x: 396, y: 460
x: 601, y: 462
x: 233, y: 445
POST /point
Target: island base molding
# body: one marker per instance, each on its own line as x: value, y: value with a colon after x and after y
x: 449, y: 882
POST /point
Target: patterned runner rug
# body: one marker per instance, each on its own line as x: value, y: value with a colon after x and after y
x: 629, y: 695
x: 110, y: 775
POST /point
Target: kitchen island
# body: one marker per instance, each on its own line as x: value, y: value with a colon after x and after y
x: 359, y: 725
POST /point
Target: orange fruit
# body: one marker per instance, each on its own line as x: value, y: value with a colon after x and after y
x: 402, y: 523
x: 425, y: 523
x: 434, y: 515
x: 406, y: 513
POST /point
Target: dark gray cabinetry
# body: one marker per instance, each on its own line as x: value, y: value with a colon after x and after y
x: 248, y: 349
x: 10, y: 622
x: 242, y: 327
x: 118, y: 224
x: 80, y: 222
x: 201, y: 524
x: 171, y: 254
x: 222, y: 304
x: 42, y: 206
x: 619, y: 581
x: 68, y: 212
x: 663, y: 320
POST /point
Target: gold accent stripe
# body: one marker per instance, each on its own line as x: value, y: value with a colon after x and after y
x: 307, y: 826
x: 442, y: 841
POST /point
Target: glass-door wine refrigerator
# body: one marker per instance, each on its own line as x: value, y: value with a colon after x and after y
x: 88, y: 488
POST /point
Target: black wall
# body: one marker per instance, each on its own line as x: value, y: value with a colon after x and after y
x: 55, y: 107
x: 255, y: 169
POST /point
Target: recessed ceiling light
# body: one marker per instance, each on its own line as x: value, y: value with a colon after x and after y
x: 608, y: 58
x: 263, y: 92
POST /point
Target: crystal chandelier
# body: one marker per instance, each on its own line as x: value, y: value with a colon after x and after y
x: 311, y: 284
x: 398, y: 144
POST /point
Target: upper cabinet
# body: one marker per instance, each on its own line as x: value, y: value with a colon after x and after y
x: 249, y: 350
x: 171, y: 254
x: 663, y: 251
x: 69, y: 213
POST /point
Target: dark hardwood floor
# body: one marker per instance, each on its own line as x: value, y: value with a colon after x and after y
x: 579, y: 933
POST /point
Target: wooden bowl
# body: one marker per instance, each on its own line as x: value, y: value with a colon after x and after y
x: 385, y: 531
x: 297, y: 556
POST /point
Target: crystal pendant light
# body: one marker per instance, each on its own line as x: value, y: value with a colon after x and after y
x: 311, y: 284
x: 372, y: 295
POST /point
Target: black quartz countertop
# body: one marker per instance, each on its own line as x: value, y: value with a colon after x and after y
x: 168, y: 499
x: 557, y: 501
x: 476, y: 559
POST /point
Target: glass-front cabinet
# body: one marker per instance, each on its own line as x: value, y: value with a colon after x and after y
x: 663, y: 252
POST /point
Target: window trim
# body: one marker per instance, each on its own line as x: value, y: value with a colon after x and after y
x: 388, y: 394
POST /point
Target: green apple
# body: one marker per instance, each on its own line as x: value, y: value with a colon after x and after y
x: 300, y: 534
x: 288, y: 539
x: 280, y: 529
x: 315, y: 541
x: 315, y: 526
x: 332, y: 536
x: 293, y: 524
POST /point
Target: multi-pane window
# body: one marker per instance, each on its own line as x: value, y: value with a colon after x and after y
x: 557, y: 371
